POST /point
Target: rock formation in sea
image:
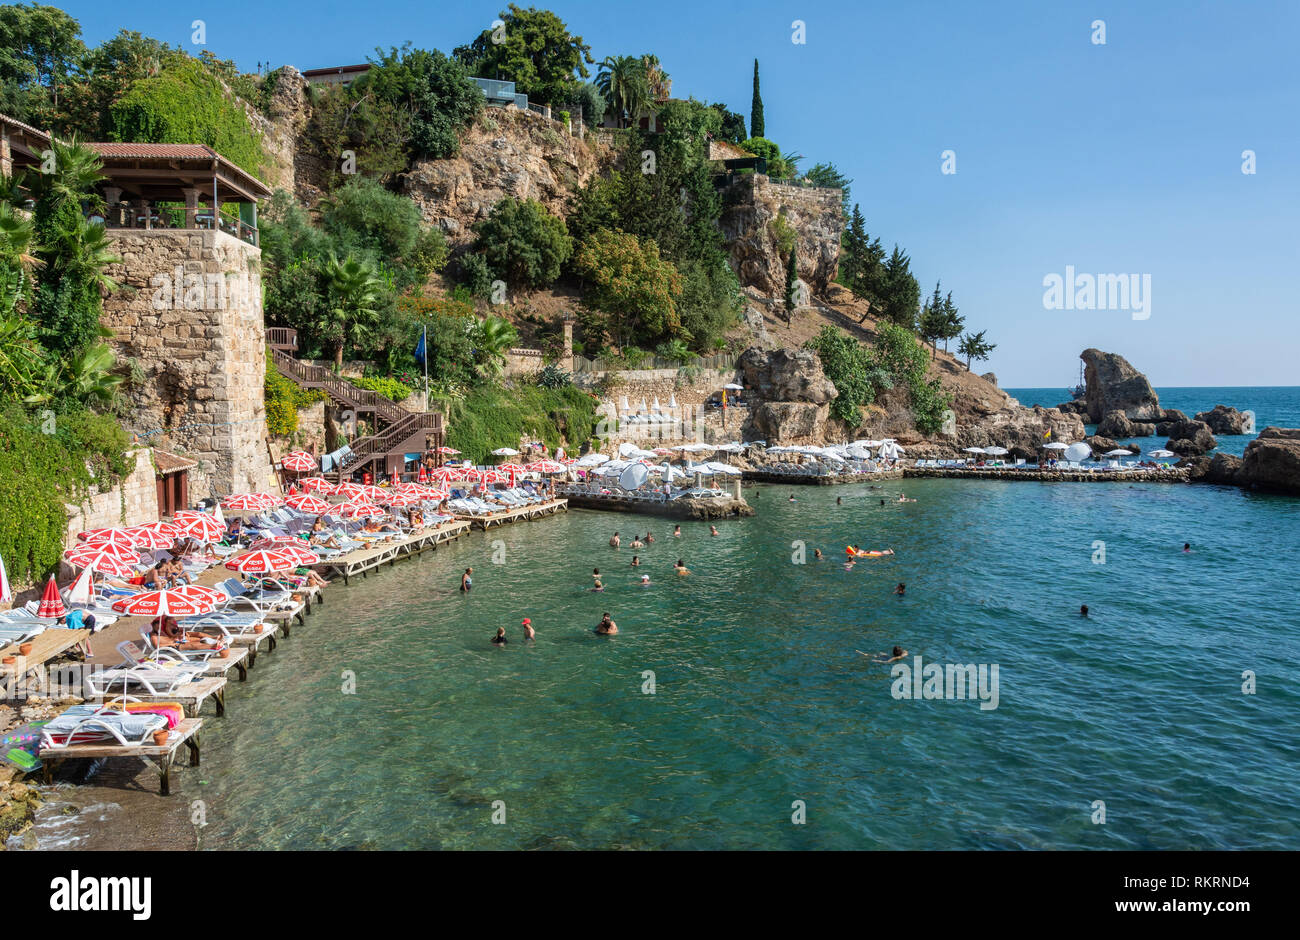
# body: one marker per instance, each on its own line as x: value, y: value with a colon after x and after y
x: 1190, y: 438
x: 793, y: 395
x: 1118, y: 425
x: 1272, y: 461
x: 1224, y: 420
x: 1221, y: 468
x: 1114, y: 385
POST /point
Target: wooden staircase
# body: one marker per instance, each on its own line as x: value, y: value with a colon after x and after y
x: 398, y: 431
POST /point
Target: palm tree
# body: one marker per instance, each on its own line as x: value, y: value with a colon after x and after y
x: 351, y: 313
x: 88, y: 376
x: 76, y: 174
x: 494, y: 339
x: 622, y: 80
x: 660, y: 85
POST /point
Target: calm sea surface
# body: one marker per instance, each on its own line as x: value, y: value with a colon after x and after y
x: 761, y: 699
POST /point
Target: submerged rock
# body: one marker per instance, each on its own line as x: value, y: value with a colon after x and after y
x: 1114, y: 385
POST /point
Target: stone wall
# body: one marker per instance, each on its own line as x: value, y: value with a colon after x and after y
x: 310, y: 435
x: 190, y: 316
x: 523, y: 362
x: 751, y: 203
x: 133, y: 502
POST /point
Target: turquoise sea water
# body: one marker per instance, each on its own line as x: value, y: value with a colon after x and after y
x: 1278, y: 406
x: 761, y: 700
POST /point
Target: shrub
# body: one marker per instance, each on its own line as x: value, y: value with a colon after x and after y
x: 476, y: 276
x: 523, y: 242
x: 552, y: 376
x: 283, y: 399
x: 491, y: 416
x: 390, y: 388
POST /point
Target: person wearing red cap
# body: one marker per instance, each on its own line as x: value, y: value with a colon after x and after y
x: 529, y: 632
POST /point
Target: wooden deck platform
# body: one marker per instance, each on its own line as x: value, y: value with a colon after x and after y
x: 364, y: 560
x: 507, y: 516
x: 237, y: 660
x: 190, y: 696
x: 254, y: 642
x: 159, y: 757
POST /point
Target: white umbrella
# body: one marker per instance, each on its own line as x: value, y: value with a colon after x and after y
x: 669, y: 472
x: 644, y: 406
x: 506, y: 452
x: 672, y: 401
x: 997, y: 451
x: 1078, y: 451
x: 975, y: 450
x: 724, y: 468
x: 1055, y: 445
x: 1120, y: 452
x: 734, y: 387
x: 591, y: 460
x: 1162, y: 453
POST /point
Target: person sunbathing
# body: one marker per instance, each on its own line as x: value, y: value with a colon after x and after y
x: 326, y: 542
x: 167, y: 632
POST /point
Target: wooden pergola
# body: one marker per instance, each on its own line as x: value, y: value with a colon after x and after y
x: 21, y: 145
x: 162, y: 185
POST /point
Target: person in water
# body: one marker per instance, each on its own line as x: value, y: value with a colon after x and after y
x: 529, y: 632
x: 645, y: 580
x: 649, y: 538
x: 1187, y: 546
x: 839, y: 500
x: 677, y: 532
x: 637, y: 543
x: 792, y: 499
x: 467, y: 580
x: 882, y: 502
x: 713, y: 530
x: 636, y: 561
x: 680, y: 567
x: 606, y: 627
x: 817, y: 553
x: 898, y: 654
x: 500, y: 638
x: 1083, y: 610
x: 598, y: 587
x: 615, y: 542
x: 595, y: 574
x: 901, y: 590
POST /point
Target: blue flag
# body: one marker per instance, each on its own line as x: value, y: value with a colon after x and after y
x: 419, y: 348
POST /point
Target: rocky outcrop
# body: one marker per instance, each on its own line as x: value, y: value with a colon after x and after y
x: 791, y: 375
x: 1221, y: 468
x: 1224, y: 420
x: 504, y: 153
x: 793, y: 394
x: 1101, y: 445
x: 1272, y: 461
x: 1076, y: 407
x: 1191, y: 438
x: 755, y: 210
x: 1117, y: 424
x: 1114, y: 385
x: 281, y: 128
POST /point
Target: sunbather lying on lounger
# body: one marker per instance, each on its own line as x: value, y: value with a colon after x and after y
x: 165, y: 631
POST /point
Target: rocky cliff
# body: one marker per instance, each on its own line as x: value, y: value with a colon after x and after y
x: 1114, y: 385
x: 755, y: 209
x: 1272, y: 461
x: 504, y: 153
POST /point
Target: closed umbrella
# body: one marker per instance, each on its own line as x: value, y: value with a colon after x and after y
x: 51, y: 604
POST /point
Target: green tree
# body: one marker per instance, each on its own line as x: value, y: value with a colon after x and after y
x: 39, y: 47
x: 974, y: 346
x: 791, y: 281
x: 523, y: 243
x: 778, y: 166
x: 106, y: 75
x: 588, y: 101
x: 623, y: 81
x: 627, y: 279
x: 953, y: 322
x: 933, y: 321
x: 852, y: 370
x: 902, y: 293
x: 533, y: 49
x: 756, y: 125
x: 732, y: 125
x: 364, y: 217
x: 826, y: 174
x: 493, y: 338
x: 351, y: 312
x: 433, y: 88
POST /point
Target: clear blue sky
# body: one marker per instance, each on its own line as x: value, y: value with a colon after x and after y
x: 1122, y: 158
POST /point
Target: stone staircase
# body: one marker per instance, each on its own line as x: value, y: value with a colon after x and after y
x: 398, y: 431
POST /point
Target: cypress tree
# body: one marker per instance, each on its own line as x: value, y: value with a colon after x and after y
x: 756, y: 109
x: 791, y: 281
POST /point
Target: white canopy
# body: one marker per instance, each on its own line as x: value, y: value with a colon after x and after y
x: 724, y: 468
x: 591, y: 460
x: 1055, y: 445
x: 1078, y: 451
x: 733, y: 385
x: 996, y: 451
x: 506, y: 452
x: 974, y: 450
x: 1162, y: 453
x: 1119, y: 452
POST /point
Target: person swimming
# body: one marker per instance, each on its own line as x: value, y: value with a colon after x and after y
x: 677, y: 532
x: 636, y: 561
x: 649, y: 538
x: 901, y: 590
x: 1083, y: 610
x: 500, y: 638
x: 792, y: 499
x: 615, y: 541
x: 529, y: 632
x: 817, y: 553
x: 856, y: 552
x: 680, y: 567
x: 606, y: 627
x: 466, y: 580
x: 645, y: 580
x: 713, y: 530
x: 599, y: 587
x: 839, y: 500
x: 1187, y: 546
x: 637, y: 543
x: 898, y: 654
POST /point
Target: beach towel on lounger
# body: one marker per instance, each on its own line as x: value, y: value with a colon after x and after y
x: 84, y: 724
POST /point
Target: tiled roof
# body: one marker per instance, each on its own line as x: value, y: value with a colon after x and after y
x: 167, y: 462
x: 26, y: 127
x: 154, y: 151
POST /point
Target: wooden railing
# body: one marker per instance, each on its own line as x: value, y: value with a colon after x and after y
x: 341, y: 390
x: 391, y: 439
x: 281, y: 337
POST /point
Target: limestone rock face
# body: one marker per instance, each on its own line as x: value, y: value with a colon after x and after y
x: 1191, y: 438
x: 751, y: 206
x: 1114, y: 385
x: 1101, y: 445
x: 786, y: 375
x: 288, y: 109
x: 1224, y: 420
x: 1272, y: 461
x: 789, y: 422
x: 504, y: 153
x: 1117, y: 424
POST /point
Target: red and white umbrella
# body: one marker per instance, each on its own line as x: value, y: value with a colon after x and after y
x: 308, y: 503
x: 299, y: 462
x: 448, y: 450
x: 493, y: 476
x: 199, y: 526
x: 548, y: 466
x: 166, y: 603
x: 147, y: 536
x: 261, y: 561
x: 348, y: 488
x: 112, y: 536
x: 250, y: 502
x: 275, y: 541
x: 51, y: 604
x: 423, y: 474
x: 357, y: 507
x: 112, y: 563
x: 216, y: 595
x: 402, y: 499
x: 298, y: 554
x: 314, y: 484
x: 447, y: 474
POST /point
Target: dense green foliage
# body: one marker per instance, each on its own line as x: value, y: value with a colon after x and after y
x: 434, y: 89
x: 185, y: 104
x: 532, y: 48
x: 523, y: 243
x: 389, y: 387
x: 826, y: 174
x: 732, y: 125
x: 778, y: 166
x: 492, y: 416
x: 852, y: 370
x: 757, y: 126
x: 862, y: 262
x: 283, y: 399
x: 627, y: 280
